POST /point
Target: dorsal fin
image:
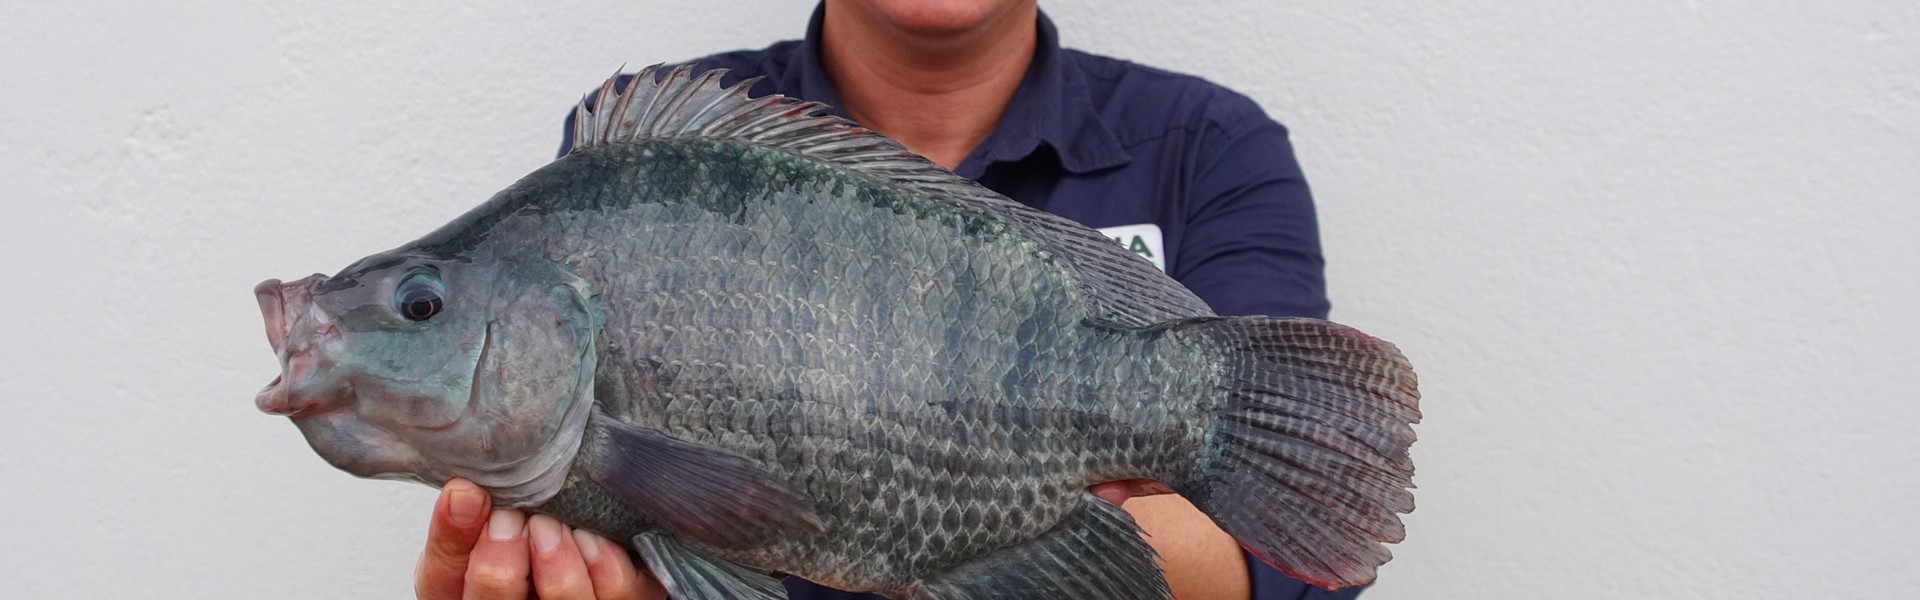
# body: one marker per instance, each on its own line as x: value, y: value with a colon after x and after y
x: 1118, y: 287
x: 682, y: 105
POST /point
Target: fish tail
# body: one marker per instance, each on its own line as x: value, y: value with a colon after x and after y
x: 1306, y: 464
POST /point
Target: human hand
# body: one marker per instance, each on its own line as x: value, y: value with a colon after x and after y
x: 505, y: 555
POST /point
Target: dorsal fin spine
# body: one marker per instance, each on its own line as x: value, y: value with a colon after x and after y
x: 789, y: 131
x: 847, y: 140
x: 609, y: 97
x: 750, y: 111
x: 762, y: 128
x: 663, y: 108
x: 681, y: 100
x: 714, y: 112
x: 622, y: 116
x: 651, y: 90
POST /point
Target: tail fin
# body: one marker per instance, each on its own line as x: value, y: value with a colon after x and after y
x: 1308, y: 466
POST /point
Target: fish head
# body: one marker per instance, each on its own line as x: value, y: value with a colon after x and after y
x: 409, y: 367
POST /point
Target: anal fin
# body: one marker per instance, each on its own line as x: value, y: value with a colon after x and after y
x: 695, y: 491
x: 1095, y: 554
x: 688, y: 575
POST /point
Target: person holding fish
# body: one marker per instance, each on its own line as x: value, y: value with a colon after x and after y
x: 1191, y: 176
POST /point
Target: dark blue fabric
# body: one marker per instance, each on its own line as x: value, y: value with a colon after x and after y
x: 1107, y: 142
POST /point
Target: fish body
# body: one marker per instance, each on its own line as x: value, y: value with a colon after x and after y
x: 756, y: 341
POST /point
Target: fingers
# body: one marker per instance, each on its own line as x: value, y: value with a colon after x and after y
x: 612, y: 571
x: 474, y: 554
x: 498, y: 567
x: 459, y: 517
x: 577, y: 565
x: 559, y: 571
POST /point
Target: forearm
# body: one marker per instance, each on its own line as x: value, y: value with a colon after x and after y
x: 1201, y: 561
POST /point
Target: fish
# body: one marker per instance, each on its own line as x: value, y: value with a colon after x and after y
x: 753, y: 340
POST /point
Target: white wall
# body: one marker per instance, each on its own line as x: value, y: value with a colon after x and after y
x: 1656, y: 262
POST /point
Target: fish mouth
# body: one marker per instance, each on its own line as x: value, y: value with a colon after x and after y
x: 298, y: 331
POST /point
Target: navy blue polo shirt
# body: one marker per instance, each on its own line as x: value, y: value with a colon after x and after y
x: 1190, y: 174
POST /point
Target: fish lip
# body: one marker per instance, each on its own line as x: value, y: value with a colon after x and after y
x: 272, y: 296
x: 273, y: 308
x: 277, y: 399
x: 273, y: 398
x: 298, y: 362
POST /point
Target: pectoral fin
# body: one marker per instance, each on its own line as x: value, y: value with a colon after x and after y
x: 695, y: 491
x: 1095, y: 554
x: 689, y: 576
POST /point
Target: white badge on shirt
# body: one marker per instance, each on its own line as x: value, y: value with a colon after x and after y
x: 1142, y: 239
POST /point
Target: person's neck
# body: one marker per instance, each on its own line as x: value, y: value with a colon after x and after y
x: 940, y: 96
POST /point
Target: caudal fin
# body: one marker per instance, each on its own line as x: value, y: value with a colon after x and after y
x: 1308, y: 467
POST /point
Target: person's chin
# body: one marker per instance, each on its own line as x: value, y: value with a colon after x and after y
x: 940, y: 17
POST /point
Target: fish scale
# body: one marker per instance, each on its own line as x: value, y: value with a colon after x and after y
x: 750, y: 340
x: 912, y: 436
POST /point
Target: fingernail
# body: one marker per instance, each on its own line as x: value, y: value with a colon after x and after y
x: 506, y: 525
x: 466, y: 504
x: 588, y: 542
x: 545, y: 532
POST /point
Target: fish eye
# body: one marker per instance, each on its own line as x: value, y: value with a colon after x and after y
x: 419, y: 297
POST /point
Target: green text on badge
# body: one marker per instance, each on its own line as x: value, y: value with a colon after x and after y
x: 1143, y: 239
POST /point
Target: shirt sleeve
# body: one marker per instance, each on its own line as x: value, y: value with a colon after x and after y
x: 1251, y: 244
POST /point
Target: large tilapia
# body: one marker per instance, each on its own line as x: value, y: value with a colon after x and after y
x: 755, y: 341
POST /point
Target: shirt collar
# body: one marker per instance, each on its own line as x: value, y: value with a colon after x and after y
x: 814, y: 84
x: 1052, y: 106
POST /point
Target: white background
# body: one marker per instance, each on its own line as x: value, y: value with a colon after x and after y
x: 1655, y: 260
